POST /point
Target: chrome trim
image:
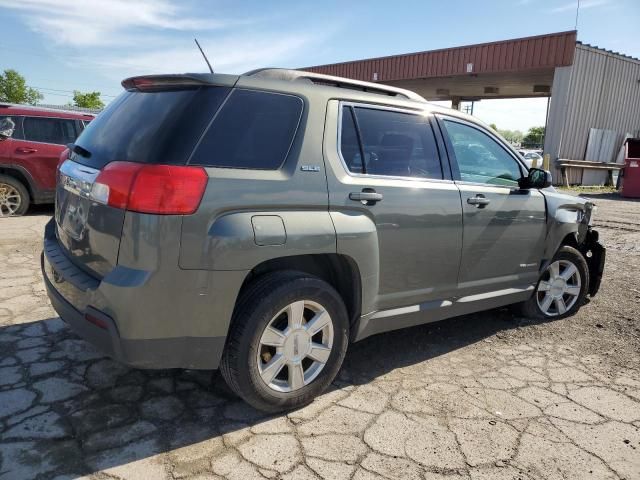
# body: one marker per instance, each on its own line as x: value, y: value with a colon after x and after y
x: 77, y: 178
x: 495, y: 293
x: 430, y: 305
x: 487, y: 185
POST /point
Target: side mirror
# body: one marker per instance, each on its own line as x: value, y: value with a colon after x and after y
x: 537, y: 178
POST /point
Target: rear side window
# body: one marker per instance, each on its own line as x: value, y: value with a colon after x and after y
x: 252, y: 130
x: 150, y: 127
x: 49, y: 130
x: 394, y: 143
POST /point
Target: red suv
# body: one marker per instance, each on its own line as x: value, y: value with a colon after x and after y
x: 31, y: 142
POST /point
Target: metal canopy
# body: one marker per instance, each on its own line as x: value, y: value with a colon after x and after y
x: 522, y: 67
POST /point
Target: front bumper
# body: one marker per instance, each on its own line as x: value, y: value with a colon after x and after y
x: 73, y: 294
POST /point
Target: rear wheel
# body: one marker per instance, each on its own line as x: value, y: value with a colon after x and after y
x: 562, y: 287
x: 14, y: 197
x: 287, y: 342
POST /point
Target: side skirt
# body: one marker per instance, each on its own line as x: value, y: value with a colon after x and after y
x: 409, y: 316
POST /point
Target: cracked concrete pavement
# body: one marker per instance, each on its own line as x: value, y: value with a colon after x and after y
x: 486, y: 396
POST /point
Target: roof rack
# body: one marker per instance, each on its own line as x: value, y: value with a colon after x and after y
x: 340, y: 82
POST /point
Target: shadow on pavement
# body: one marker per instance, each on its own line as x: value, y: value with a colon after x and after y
x: 67, y: 409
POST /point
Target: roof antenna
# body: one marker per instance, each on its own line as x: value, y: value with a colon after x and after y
x: 577, y: 13
x: 202, y: 52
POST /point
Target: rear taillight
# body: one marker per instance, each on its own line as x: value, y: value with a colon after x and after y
x: 160, y: 189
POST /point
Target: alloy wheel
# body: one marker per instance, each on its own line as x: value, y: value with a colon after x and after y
x: 559, y: 288
x: 10, y: 200
x: 295, y: 346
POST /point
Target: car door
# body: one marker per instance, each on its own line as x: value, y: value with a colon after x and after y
x: 40, y: 148
x: 504, y: 226
x: 395, y: 208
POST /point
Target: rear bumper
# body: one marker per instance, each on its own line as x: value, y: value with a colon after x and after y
x: 74, y: 294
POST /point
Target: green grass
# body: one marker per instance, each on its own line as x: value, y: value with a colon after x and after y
x: 584, y: 189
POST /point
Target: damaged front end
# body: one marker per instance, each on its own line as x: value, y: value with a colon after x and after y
x: 594, y: 253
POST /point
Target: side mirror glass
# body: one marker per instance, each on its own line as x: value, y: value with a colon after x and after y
x: 537, y: 178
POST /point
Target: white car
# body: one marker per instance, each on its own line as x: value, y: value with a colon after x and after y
x: 529, y: 157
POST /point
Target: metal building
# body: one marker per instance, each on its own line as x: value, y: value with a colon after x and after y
x: 599, y: 91
x: 589, y: 88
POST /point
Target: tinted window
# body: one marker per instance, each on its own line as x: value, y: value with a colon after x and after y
x: 394, y: 144
x: 480, y: 158
x: 150, y: 127
x: 252, y: 130
x: 349, y: 145
x: 49, y: 130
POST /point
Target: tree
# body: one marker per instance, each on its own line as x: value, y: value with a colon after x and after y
x: 534, y: 137
x: 494, y: 126
x: 14, y: 89
x: 513, y: 136
x: 87, y: 100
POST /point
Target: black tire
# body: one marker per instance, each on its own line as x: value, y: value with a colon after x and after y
x: 531, y: 307
x: 255, y: 308
x: 22, y: 192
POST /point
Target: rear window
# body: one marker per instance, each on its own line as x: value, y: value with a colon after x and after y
x: 252, y: 130
x: 150, y: 127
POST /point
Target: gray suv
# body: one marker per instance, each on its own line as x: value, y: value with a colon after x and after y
x: 260, y: 223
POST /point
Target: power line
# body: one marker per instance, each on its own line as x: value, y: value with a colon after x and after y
x: 67, y: 91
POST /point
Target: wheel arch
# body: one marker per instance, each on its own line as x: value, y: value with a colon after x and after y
x: 22, y: 176
x: 339, y: 271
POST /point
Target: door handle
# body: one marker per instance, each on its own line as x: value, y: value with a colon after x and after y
x: 479, y: 201
x: 25, y: 150
x: 367, y: 196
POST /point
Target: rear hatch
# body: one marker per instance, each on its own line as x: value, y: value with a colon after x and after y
x: 157, y: 121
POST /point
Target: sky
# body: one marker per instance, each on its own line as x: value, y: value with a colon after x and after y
x: 87, y: 45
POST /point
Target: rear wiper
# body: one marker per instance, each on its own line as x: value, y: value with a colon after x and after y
x: 83, y: 152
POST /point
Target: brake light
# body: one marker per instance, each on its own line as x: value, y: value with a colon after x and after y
x: 159, y: 189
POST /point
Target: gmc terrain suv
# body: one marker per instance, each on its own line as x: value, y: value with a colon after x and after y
x: 260, y: 223
x: 31, y: 142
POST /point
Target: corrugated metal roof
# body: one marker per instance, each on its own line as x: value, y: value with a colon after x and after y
x: 529, y: 53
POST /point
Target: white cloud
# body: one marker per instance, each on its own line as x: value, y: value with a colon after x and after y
x: 227, y: 54
x: 83, y: 23
x: 583, y: 5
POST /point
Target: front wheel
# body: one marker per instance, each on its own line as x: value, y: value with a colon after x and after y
x: 287, y: 341
x: 562, y: 287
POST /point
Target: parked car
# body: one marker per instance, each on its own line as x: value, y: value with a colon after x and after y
x: 530, y: 157
x: 260, y: 223
x: 31, y: 141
